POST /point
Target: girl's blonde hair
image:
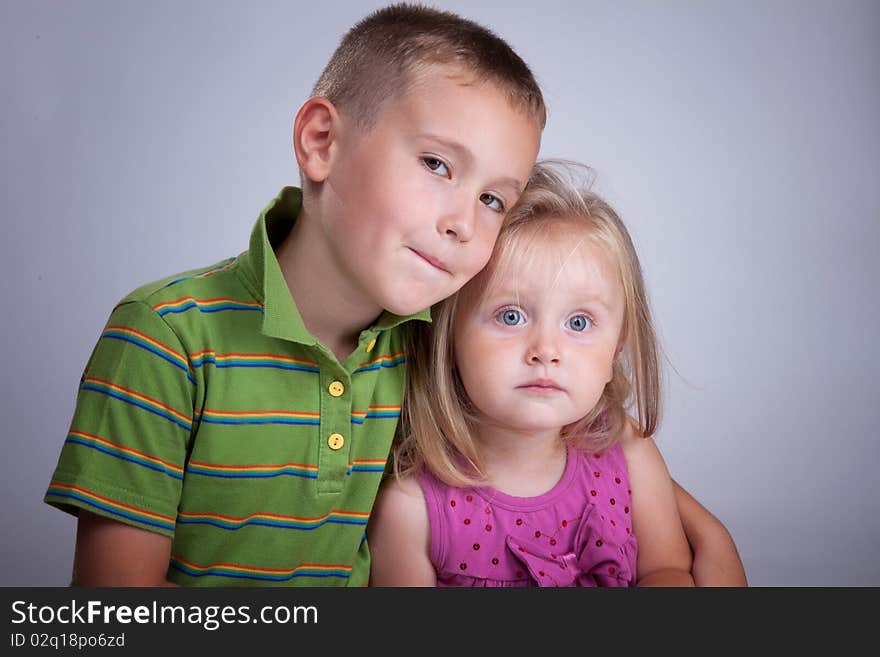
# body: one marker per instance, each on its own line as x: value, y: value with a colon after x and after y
x: 438, y: 419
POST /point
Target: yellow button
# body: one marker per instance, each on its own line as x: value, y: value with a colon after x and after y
x: 336, y: 388
x: 371, y: 345
x: 335, y: 441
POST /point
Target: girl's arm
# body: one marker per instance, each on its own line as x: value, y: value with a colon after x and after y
x: 399, y: 536
x: 664, y: 556
x: 716, y: 560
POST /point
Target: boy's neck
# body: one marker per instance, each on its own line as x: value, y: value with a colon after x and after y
x: 331, y: 308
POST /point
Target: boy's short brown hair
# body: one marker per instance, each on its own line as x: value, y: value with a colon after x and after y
x: 383, y: 54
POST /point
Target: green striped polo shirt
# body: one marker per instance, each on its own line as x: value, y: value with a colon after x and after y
x: 208, y: 413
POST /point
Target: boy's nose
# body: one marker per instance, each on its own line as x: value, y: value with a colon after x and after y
x: 459, y: 223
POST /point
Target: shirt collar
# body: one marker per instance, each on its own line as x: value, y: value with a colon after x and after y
x: 281, y: 318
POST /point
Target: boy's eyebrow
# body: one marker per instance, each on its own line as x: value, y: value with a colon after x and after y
x: 515, y: 185
x: 460, y: 150
x: 464, y: 153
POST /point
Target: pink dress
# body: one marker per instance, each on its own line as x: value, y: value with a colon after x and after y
x: 579, y: 533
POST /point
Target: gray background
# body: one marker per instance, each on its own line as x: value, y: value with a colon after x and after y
x: 740, y: 142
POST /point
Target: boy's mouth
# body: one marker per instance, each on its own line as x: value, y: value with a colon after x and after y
x: 434, y: 262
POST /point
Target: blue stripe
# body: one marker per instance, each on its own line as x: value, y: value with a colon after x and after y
x: 116, y: 512
x: 203, y: 273
x: 280, y: 366
x: 139, y: 404
x: 214, y: 309
x: 307, y: 475
x: 272, y: 578
x: 260, y: 421
x: 368, y: 468
x: 265, y: 523
x: 371, y: 416
x: 124, y: 457
x: 152, y: 349
x: 376, y: 366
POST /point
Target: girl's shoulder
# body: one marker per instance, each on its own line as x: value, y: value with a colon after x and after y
x: 400, y: 507
x: 399, y: 537
x: 401, y: 494
x: 632, y: 443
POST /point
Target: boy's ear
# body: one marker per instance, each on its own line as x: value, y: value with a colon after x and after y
x: 315, y: 131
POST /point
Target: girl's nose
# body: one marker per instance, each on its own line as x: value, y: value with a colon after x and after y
x: 543, y: 349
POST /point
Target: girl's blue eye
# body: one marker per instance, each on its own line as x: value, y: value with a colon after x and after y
x: 579, y: 323
x: 436, y: 165
x: 492, y: 202
x: 510, y: 317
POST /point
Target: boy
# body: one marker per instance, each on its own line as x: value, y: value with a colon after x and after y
x: 233, y: 423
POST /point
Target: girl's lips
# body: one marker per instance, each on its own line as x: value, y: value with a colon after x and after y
x: 548, y: 385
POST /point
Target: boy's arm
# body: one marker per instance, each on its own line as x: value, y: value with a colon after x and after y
x: 716, y: 560
x: 122, y: 464
x: 664, y: 557
x: 399, y: 536
x: 111, y: 553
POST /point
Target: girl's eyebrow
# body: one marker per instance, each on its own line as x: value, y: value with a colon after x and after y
x: 519, y: 293
x: 597, y: 300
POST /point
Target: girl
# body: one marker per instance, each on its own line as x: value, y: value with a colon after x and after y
x: 519, y: 465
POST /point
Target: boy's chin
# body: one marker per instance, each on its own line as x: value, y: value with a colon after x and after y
x: 412, y: 300
x: 407, y: 308
x: 412, y: 294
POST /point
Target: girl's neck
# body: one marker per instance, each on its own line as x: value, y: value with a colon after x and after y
x: 521, y: 464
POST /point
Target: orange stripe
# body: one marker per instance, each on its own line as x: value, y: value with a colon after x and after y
x: 127, y: 450
x: 206, y: 302
x: 138, y: 395
x: 114, y: 503
x: 242, y: 355
x: 336, y: 512
x: 253, y: 467
x: 261, y: 413
x: 147, y: 338
x: 279, y: 571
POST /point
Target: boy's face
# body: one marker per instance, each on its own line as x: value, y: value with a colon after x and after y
x: 412, y: 206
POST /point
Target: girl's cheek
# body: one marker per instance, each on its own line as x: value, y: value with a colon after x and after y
x: 612, y: 357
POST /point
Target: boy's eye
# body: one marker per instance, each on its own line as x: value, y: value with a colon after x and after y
x: 436, y: 165
x: 579, y: 323
x: 510, y: 317
x: 492, y: 202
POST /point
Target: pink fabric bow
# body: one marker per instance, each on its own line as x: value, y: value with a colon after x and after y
x: 595, y: 561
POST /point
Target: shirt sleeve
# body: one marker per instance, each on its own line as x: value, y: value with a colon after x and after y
x: 125, y: 453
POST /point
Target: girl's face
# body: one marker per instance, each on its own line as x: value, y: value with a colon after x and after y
x: 536, y: 348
